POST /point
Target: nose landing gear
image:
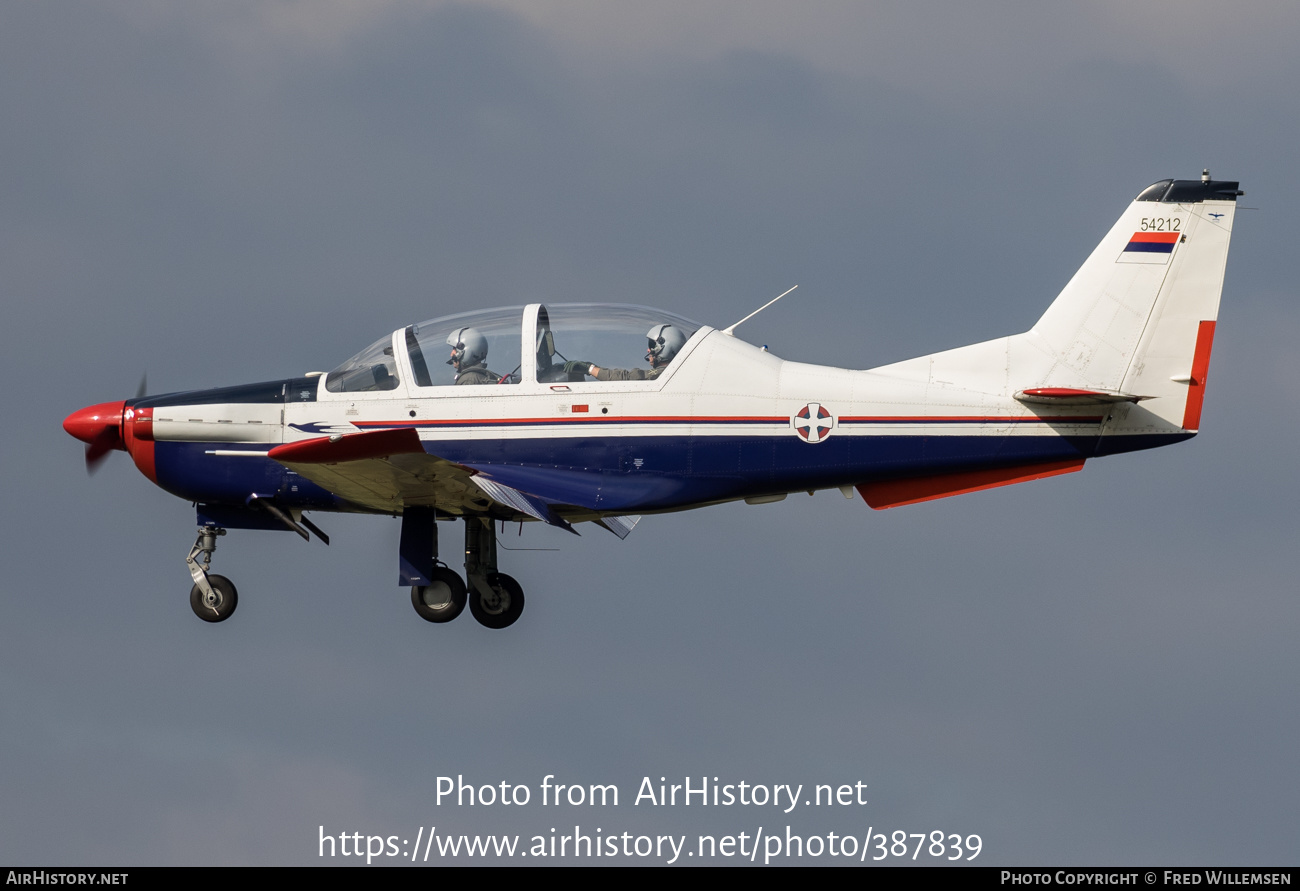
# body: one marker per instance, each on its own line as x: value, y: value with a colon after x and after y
x: 213, y: 597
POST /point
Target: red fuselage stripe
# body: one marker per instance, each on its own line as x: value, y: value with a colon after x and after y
x: 974, y: 419
x: 739, y: 419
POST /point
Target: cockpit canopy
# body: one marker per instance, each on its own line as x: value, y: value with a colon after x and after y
x: 526, y: 344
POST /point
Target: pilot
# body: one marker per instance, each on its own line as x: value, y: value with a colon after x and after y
x: 469, y: 357
x: 665, y: 341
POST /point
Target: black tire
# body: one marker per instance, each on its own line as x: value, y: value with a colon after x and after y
x: 502, y: 610
x: 227, y: 600
x: 442, y: 599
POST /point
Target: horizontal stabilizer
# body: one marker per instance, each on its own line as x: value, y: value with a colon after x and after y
x: 1074, y: 396
x: 895, y: 493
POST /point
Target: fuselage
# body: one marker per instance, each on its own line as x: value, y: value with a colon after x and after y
x: 725, y: 421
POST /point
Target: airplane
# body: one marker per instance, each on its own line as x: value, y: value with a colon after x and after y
x: 531, y: 418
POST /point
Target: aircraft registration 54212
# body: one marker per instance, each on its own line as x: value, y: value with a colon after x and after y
x: 524, y: 414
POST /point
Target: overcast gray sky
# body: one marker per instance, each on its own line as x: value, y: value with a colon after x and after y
x: 1098, y: 668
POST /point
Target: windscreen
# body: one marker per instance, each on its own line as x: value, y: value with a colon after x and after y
x: 371, y: 369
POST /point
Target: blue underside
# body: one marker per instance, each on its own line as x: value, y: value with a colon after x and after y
x: 639, y: 474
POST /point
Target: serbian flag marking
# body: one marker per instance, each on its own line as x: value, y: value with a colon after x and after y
x: 1149, y: 247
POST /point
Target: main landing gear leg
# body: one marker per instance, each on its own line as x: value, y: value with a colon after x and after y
x: 495, y: 599
x: 437, y: 592
x: 213, y: 597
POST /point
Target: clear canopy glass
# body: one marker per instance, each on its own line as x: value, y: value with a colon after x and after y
x: 524, y: 345
x: 429, y: 351
x: 608, y: 335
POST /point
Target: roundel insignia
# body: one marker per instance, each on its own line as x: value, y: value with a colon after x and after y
x: 813, y: 422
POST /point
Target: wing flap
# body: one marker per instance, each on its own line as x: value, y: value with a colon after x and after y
x: 621, y: 526
x: 521, y: 501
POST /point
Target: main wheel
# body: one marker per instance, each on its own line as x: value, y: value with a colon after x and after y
x: 220, y: 605
x: 503, y: 607
x: 442, y: 599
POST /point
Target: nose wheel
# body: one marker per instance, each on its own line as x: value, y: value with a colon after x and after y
x: 218, y: 602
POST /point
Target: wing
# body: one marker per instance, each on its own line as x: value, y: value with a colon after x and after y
x: 389, y: 470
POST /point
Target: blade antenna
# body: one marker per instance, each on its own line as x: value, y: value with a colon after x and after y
x: 732, y: 329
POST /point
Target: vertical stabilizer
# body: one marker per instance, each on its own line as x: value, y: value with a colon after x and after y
x: 1138, y: 317
x: 1132, y: 328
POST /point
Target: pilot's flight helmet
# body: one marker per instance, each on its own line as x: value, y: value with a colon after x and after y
x: 665, y: 341
x: 469, y: 347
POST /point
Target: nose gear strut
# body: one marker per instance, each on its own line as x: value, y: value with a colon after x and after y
x: 213, y: 597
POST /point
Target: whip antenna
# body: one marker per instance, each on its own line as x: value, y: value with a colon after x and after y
x: 732, y: 329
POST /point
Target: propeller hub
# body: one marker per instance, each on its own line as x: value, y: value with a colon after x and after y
x: 95, y: 421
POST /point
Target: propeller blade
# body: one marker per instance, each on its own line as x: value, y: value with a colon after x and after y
x: 144, y: 386
x: 98, y: 448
